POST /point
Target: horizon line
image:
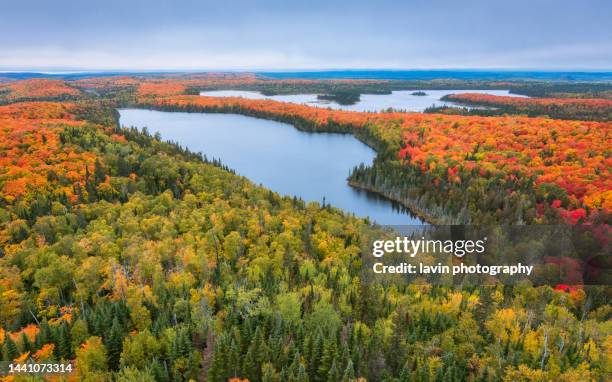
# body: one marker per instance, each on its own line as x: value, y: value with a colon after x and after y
x: 77, y: 70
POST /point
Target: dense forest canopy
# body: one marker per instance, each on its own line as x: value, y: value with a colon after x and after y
x: 137, y: 260
x: 562, y: 108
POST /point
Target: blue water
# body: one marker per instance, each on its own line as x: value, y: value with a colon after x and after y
x: 398, y: 100
x: 312, y: 166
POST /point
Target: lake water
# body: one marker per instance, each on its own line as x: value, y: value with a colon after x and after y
x: 312, y: 166
x: 401, y: 99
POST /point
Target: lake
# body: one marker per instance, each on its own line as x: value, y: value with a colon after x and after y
x: 401, y: 99
x: 311, y: 166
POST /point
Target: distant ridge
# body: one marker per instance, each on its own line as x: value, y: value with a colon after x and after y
x: 595, y: 76
x: 490, y: 75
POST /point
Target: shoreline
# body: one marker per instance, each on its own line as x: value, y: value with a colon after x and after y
x: 413, y: 209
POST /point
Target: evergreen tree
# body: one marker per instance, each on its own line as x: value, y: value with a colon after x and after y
x: 295, y: 365
x: 406, y: 375
x: 250, y: 367
x: 327, y: 360
x: 315, y: 357
x: 26, y: 345
x: 160, y: 373
x: 183, y: 343
x: 233, y: 359
x: 64, y: 343
x: 302, y: 375
x: 10, y: 349
x: 333, y: 375
x: 268, y: 373
x: 114, y: 344
x: 218, y: 369
x: 45, y: 336
x: 99, y: 175
x: 349, y: 372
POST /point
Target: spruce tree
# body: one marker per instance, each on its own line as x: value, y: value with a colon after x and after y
x: 64, y: 343
x: 349, y: 372
x: 233, y: 359
x: 315, y: 357
x: 217, y: 371
x: 295, y: 365
x: 114, y: 344
x: 184, y: 343
x: 268, y: 373
x: 327, y: 360
x: 159, y: 371
x: 10, y: 349
x: 250, y: 368
x: 99, y: 175
x: 26, y: 345
x: 45, y: 336
x: 333, y: 375
x: 406, y: 375
x: 302, y: 375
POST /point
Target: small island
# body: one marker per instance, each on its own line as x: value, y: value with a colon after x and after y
x: 341, y: 98
x: 419, y: 93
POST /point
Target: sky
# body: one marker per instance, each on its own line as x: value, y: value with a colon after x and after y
x: 307, y: 34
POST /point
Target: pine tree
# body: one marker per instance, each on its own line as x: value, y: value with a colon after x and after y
x: 327, y: 360
x: 64, y: 343
x: 307, y: 347
x: 10, y: 349
x: 250, y: 367
x: 184, y: 345
x: 295, y: 365
x: 349, y: 372
x: 289, y: 353
x: 160, y: 373
x: 268, y: 373
x: 193, y: 365
x: 220, y: 368
x: 302, y: 375
x: 99, y: 175
x: 333, y: 375
x: 396, y: 356
x: 315, y: 357
x: 45, y: 336
x: 233, y: 359
x: 114, y: 344
x: 406, y: 375
x: 216, y: 373
x: 26, y: 345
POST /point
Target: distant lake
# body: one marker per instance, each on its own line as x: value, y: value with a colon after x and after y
x: 312, y: 166
x: 400, y: 99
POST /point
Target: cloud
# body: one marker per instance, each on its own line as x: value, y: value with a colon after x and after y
x: 316, y: 34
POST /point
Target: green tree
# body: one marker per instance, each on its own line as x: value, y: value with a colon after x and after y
x: 132, y: 374
x: 10, y: 349
x: 64, y: 344
x: 91, y: 360
x: 140, y: 350
x: 79, y: 333
x: 114, y: 344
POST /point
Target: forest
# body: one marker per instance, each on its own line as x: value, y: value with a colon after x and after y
x: 560, y: 108
x: 137, y: 260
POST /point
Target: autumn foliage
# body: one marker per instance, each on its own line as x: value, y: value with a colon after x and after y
x: 36, y: 88
x: 574, y: 108
x: 31, y: 154
x: 489, y: 99
x: 134, y: 259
